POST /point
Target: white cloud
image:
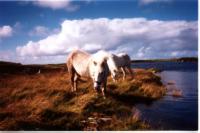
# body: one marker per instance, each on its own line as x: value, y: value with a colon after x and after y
x: 146, y: 2
x: 39, y: 31
x: 6, y: 31
x: 42, y: 31
x: 56, y: 4
x: 139, y: 37
x: 8, y: 55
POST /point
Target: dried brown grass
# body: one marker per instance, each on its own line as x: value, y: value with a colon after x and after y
x: 44, y: 101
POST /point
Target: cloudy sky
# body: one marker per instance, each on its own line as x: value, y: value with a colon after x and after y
x: 46, y: 31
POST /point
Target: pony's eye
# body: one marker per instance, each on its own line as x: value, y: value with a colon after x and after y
x: 95, y: 63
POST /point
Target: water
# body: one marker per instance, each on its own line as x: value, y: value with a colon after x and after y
x: 168, y: 66
x: 170, y: 113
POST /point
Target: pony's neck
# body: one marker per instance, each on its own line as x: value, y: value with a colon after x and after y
x: 111, y: 62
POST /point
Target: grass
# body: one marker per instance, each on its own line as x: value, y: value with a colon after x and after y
x: 44, y: 102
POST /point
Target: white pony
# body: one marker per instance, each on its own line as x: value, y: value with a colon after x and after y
x: 82, y: 64
x: 123, y: 61
x: 115, y: 62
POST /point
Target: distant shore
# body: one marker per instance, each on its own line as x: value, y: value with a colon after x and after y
x: 12, y: 67
x: 183, y: 59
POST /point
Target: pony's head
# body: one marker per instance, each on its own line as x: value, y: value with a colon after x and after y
x: 99, y: 71
x: 112, y: 65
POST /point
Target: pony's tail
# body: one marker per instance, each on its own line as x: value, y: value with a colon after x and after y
x: 70, y: 67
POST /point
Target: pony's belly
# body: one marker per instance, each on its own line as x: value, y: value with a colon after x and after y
x: 81, y: 68
x: 82, y: 73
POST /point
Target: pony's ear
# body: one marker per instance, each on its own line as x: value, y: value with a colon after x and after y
x: 95, y: 63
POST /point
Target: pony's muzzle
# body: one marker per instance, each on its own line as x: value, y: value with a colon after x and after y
x: 97, y: 85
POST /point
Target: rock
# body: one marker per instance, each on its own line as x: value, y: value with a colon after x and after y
x: 105, y: 119
x: 154, y: 70
x: 177, y: 93
x: 136, y: 114
x: 171, y: 83
x: 91, y: 118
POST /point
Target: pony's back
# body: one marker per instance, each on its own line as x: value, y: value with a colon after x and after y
x: 78, y: 61
x: 123, y: 60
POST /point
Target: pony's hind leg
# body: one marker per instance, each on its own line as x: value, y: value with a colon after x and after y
x: 72, y: 74
x: 72, y: 81
x: 75, y: 81
x: 124, y: 73
x: 103, y: 90
x: 131, y: 72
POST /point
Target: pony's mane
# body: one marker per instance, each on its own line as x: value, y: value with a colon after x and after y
x: 104, y: 54
x: 100, y: 56
x: 110, y: 58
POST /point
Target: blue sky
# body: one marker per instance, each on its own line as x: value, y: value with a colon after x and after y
x: 46, y: 31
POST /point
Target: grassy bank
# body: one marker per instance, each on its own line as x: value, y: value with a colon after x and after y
x: 44, y: 102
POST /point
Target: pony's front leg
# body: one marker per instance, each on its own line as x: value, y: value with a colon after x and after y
x: 114, y: 78
x: 75, y: 85
x: 131, y: 72
x: 72, y: 87
x: 103, y: 90
x: 124, y: 73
